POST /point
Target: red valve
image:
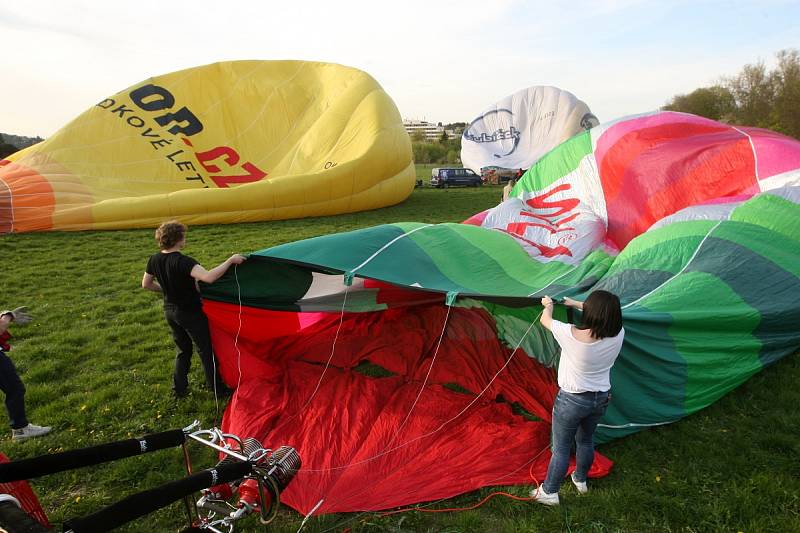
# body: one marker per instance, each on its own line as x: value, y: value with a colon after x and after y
x: 248, y: 494
x: 221, y: 492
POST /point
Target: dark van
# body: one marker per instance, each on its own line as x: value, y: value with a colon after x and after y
x: 451, y: 177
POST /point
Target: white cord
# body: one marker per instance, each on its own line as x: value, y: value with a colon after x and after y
x: 425, y: 381
x: 236, y: 339
x: 689, y: 262
x: 330, y: 357
x: 311, y: 512
x: 430, y: 433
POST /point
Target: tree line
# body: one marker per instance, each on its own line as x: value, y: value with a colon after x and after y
x: 13, y: 143
x: 756, y: 96
x: 445, y: 150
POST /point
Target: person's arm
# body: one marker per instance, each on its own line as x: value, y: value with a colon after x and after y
x: 547, y: 313
x: 210, y: 276
x: 149, y: 282
x: 577, y: 304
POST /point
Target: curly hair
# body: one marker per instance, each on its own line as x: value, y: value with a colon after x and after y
x: 170, y: 233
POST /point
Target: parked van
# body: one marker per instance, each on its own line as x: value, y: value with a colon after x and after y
x: 450, y: 177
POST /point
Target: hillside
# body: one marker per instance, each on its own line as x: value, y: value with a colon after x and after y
x: 18, y: 141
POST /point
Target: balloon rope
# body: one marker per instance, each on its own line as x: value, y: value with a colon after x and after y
x: 755, y: 154
x: 425, y: 382
x: 235, y: 399
x: 424, y: 508
x: 386, y: 451
x: 330, y: 357
x: 689, y: 262
x: 387, y: 245
x: 430, y: 433
x: 541, y: 289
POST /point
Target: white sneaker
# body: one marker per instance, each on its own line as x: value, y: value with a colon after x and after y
x: 29, y: 431
x: 540, y: 496
x: 580, y: 485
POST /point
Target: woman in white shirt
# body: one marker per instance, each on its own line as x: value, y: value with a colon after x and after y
x: 587, y: 355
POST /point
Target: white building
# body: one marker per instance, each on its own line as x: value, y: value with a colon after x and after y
x: 431, y: 131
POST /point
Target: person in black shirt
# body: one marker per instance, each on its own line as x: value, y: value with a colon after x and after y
x: 176, y: 276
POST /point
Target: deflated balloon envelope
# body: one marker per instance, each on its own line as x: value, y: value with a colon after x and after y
x: 228, y: 142
x: 516, y: 131
x: 691, y: 222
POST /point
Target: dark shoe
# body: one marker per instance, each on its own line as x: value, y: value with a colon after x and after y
x: 180, y: 393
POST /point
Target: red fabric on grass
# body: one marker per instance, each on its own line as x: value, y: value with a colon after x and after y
x: 362, y: 445
x: 27, y: 498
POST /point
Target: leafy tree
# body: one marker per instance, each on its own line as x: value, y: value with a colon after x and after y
x: 787, y: 93
x: 753, y: 97
x: 714, y: 102
x: 443, y: 139
x: 7, y: 149
x: 428, y: 152
x: 753, y: 93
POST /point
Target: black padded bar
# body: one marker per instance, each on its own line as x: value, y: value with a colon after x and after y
x: 151, y: 500
x: 58, y: 462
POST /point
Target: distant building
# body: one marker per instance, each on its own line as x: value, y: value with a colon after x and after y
x: 432, y: 132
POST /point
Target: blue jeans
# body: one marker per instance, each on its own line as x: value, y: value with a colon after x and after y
x: 12, y: 386
x: 575, y: 418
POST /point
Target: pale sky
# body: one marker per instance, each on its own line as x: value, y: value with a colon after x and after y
x: 441, y: 61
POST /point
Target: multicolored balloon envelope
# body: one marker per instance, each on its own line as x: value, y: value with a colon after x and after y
x: 229, y: 142
x: 406, y: 363
x: 516, y: 131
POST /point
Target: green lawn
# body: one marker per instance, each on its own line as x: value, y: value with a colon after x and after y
x: 97, y: 363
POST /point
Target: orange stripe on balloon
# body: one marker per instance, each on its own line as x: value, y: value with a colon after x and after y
x: 6, y: 212
x: 27, y: 202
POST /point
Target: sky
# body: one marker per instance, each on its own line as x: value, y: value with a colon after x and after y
x: 440, y: 61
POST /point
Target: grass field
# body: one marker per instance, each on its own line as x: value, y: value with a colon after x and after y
x: 98, y: 358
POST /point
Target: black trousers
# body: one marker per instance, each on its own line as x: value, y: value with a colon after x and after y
x: 191, y: 327
x: 14, y: 389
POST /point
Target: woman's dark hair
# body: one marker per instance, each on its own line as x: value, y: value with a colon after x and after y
x: 170, y: 233
x: 602, y: 314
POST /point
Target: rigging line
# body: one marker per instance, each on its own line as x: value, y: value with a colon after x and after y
x: 235, y: 398
x: 493, y: 482
x: 470, y: 404
x: 385, y: 246
x: 425, y: 382
x: 239, y: 328
x: 753, y: 148
x: 367, y: 487
x: 311, y: 512
x: 330, y: 357
x: 423, y: 507
x: 569, y: 271
x: 689, y: 262
x: 554, y: 280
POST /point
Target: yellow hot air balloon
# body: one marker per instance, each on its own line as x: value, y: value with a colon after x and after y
x: 229, y: 142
